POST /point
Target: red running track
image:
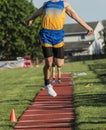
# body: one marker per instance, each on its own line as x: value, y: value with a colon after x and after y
x: 50, y: 113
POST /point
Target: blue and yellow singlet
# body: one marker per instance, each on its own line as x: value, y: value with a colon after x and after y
x: 53, y: 19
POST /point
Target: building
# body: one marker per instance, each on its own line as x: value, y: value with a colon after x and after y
x: 77, y: 42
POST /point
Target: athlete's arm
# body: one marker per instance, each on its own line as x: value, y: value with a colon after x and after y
x: 71, y: 12
x: 34, y: 16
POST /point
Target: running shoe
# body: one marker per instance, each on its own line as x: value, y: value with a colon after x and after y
x: 50, y: 90
x: 59, y: 81
x: 53, y: 81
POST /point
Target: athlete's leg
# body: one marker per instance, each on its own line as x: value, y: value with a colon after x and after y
x: 53, y: 70
x: 48, y: 63
x: 47, y: 69
x: 59, y: 72
x: 60, y: 63
x: 48, y: 55
x: 59, y: 55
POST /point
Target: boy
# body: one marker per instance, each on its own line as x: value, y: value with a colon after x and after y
x: 53, y: 17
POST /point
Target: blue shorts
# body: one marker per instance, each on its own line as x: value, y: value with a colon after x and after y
x: 52, y: 37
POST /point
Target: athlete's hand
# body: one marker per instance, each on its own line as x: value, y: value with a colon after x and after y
x: 90, y: 31
x: 29, y: 22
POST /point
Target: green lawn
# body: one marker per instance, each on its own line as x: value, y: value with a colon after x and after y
x: 90, y: 95
x: 18, y: 87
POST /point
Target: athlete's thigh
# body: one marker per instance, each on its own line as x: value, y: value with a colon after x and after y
x: 58, y: 52
x: 47, y: 52
x: 48, y: 55
x: 59, y: 56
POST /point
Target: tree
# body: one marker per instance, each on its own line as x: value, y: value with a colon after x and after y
x: 17, y: 39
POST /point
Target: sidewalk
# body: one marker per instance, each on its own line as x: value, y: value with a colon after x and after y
x: 50, y: 113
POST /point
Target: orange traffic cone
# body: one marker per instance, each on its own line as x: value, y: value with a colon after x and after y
x: 13, y: 116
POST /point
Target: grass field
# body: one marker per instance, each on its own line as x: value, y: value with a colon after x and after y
x: 18, y: 87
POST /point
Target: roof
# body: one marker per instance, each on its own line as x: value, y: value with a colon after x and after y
x: 77, y: 28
